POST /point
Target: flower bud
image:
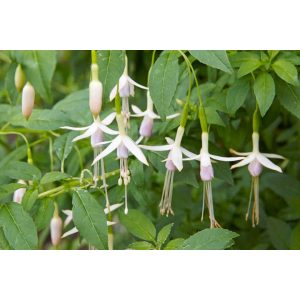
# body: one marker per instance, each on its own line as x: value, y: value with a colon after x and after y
x: 255, y: 168
x: 169, y: 164
x: 20, y: 78
x: 95, y: 99
x: 122, y: 151
x: 96, y: 138
x: 19, y: 193
x: 124, y: 87
x: 146, y: 127
x: 28, y: 95
x: 56, y: 226
x: 206, y: 173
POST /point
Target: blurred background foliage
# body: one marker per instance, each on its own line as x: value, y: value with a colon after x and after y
x: 230, y: 101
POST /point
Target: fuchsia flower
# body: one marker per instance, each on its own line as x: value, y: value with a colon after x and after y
x: 256, y: 161
x: 207, y: 174
x: 28, y: 95
x: 19, y: 193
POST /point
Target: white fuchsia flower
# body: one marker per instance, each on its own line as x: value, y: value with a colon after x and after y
x: 256, y: 161
x: 124, y: 144
x: 28, y: 95
x: 19, y: 193
x: 207, y: 174
x: 56, y: 226
x: 74, y: 230
x: 125, y: 88
x: 173, y: 163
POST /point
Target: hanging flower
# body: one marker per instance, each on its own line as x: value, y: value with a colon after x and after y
x: 124, y: 144
x: 28, y: 95
x: 256, y: 161
x: 74, y: 230
x: 173, y: 163
x: 207, y: 175
x: 126, y: 89
x: 95, y: 92
x: 56, y: 226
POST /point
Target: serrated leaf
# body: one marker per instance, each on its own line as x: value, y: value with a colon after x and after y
x: 138, y: 225
x: 53, y: 176
x: 22, y: 170
x: 111, y: 67
x: 248, y: 67
x: 210, y: 239
x: 264, y: 90
x: 142, y: 245
x: 174, y: 244
x: 286, y: 71
x: 214, y: 58
x: 63, y: 145
x: 89, y: 218
x: 164, y: 234
x: 237, y: 94
x: 279, y: 233
x: 39, y: 68
x: 163, y: 81
x: 18, y: 227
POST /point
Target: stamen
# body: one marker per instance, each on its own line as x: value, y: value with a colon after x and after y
x: 166, y: 199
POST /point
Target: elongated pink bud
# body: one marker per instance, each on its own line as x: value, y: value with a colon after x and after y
x: 96, y: 138
x: 56, y: 226
x: 206, y: 173
x: 28, y: 95
x: 146, y: 127
x: 19, y: 193
x: 124, y: 87
x: 255, y: 168
x: 169, y: 164
x: 122, y: 151
x: 95, y: 98
x: 20, y: 78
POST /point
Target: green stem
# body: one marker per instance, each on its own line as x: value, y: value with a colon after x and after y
x: 118, y: 105
x: 94, y: 56
x: 51, y: 153
x: 256, y: 119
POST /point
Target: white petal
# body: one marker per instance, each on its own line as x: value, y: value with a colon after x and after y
x: 176, y: 156
x: 114, y: 144
x: 195, y: 157
x: 271, y: 155
x: 173, y: 116
x: 108, y: 119
x: 188, y: 153
x: 205, y: 159
x: 152, y: 115
x: 113, y: 93
x: 75, y: 128
x: 157, y: 148
x: 102, y: 143
x: 134, y: 149
x: 71, y: 231
x: 239, y: 153
x: 86, y: 134
x: 267, y: 163
x: 170, y: 141
x: 107, y: 130
x: 113, y: 207
x: 136, y: 110
x: 244, y: 162
x: 136, y: 84
x: 108, y: 223
x: 221, y: 158
x: 69, y: 217
x: 139, y: 140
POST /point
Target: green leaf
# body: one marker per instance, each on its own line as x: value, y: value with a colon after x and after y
x: 174, y: 244
x: 142, y: 245
x: 53, y: 176
x: 164, y: 234
x: 163, y: 81
x: 39, y: 68
x: 89, y: 218
x: 214, y: 58
x: 286, y: 71
x: 29, y: 199
x: 289, y: 97
x: 63, y: 145
x: 264, y: 90
x: 295, y: 238
x: 22, y: 170
x: 248, y: 67
x: 44, y: 212
x: 279, y: 233
x: 213, y: 116
x: 8, y: 189
x: 210, y: 239
x: 237, y: 95
x: 4, y: 245
x: 111, y: 67
x: 138, y: 225
x: 18, y: 227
